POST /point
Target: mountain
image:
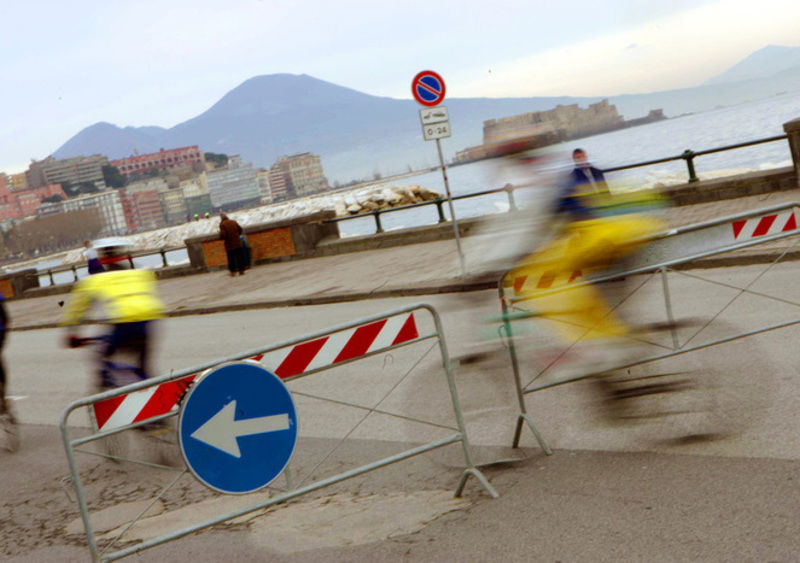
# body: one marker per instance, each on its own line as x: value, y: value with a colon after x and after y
x: 765, y: 62
x: 358, y: 134
x: 265, y: 117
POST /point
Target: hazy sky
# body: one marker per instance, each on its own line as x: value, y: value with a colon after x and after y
x: 68, y: 64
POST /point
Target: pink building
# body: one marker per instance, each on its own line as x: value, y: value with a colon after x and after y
x: 161, y: 160
x: 24, y: 203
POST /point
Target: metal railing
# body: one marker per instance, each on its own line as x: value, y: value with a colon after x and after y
x: 438, y: 202
x: 689, y: 155
x: 75, y: 267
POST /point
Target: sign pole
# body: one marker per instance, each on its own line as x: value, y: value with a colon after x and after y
x: 429, y: 89
x: 452, y: 209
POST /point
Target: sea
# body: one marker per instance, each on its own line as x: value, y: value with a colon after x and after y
x: 710, y: 129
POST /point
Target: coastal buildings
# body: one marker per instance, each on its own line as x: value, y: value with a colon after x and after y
x: 233, y: 187
x: 18, y: 181
x: 141, y: 204
x: 16, y: 204
x: 297, y: 176
x: 161, y: 160
x: 77, y: 170
x: 279, y: 185
x: 262, y: 176
x: 108, y: 204
x: 173, y: 205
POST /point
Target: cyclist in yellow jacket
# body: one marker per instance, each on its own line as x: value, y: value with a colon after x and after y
x: 130, y: 302
x: 596, y: 229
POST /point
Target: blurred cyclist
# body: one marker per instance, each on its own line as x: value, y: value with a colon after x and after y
x: 591, y: 230
x: 130, y: 301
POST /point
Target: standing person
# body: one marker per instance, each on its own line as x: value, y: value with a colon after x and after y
x: 92, y: 258
x: 231, y: 233
x: 584, y: 174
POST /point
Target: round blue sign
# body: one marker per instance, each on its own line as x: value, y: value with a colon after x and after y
x: 237, y: 428
x: 428, y: 88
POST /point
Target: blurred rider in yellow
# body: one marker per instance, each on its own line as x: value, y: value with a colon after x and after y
x: 130, y: 302
x: 593, y: 229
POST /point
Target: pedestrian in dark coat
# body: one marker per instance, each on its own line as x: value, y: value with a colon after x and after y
x: 230, y: 231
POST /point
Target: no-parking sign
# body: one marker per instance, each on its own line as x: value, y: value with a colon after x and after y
x: 428, y: 88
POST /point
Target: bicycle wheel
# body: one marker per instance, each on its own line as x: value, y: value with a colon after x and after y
x: 705, y: 394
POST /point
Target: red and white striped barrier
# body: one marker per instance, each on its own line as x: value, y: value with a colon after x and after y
x: 546, y: 280
x: 763, y: 226
x: 340, y: 346
x: 284, y: 362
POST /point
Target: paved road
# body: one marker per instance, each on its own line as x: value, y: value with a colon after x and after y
x: 605, y: 487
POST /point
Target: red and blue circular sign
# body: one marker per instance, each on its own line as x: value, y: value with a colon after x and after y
x: 428, y: 88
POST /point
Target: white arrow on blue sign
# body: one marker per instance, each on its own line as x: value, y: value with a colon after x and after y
x: 238, y: 428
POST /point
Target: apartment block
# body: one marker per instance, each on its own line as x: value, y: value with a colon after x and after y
x: 108, y: 203
x: 173, y: 204
x: 235, y: 186
x: 262, y: 176
x: 161, y: 160
x: 73, y: 170
x: 297, y: 176
x: 15, y: 205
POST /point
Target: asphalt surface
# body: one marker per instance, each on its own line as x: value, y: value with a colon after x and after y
x: 608, y: 492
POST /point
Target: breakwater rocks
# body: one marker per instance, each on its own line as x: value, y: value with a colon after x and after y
x: 383, y: 197
x: 361, y: 200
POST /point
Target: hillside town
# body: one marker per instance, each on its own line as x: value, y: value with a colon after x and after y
x: 56, y: 203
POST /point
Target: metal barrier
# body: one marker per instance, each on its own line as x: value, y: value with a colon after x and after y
x: 671, y: 248
x: 74, y: 268
x: 438, y: 202
x: 689, y: 155
x: 159, y: 398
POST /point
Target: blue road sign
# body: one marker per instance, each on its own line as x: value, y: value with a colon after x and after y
x: 237, y: 428
x: 428, y: 88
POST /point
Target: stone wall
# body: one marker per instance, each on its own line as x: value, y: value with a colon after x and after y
x: 288, y: 238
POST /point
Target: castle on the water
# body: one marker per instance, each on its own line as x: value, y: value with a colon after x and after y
x: 552, y: 126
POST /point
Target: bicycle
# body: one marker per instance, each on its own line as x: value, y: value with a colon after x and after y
x: 116, y: 374
x: 671, y: 391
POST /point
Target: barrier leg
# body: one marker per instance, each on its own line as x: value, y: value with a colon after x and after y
x: 512, y: 352
x: 462, y: 428
x: 481, y: 479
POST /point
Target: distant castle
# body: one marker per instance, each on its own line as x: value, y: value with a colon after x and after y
x: 554, y: 126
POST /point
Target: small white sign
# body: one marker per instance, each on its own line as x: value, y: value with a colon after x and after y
x: 436, y: 131
x: 436, y: 114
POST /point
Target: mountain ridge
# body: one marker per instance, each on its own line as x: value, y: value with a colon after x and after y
x: 357, y: 134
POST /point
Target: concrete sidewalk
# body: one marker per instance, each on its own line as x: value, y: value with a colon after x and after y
x: 416, y: 269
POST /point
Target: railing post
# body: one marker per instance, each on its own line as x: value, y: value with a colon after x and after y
x: 688, y: 156
x: 439, y: 201
x: 163, y: 258
x: 792, y: 129
x: 130, y: 261
x: 50, y: 275
x: 512, y: 204
x: 74, y: 272
x: 377, y: 215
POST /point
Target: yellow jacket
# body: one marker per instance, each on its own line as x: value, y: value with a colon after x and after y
x: 126, y: 295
